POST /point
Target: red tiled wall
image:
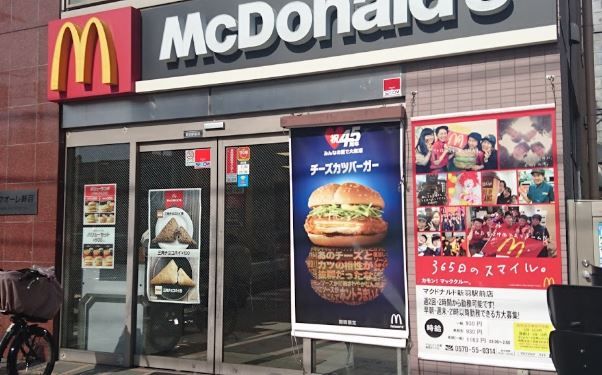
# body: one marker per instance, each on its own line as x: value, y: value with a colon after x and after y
x: 29, y: 132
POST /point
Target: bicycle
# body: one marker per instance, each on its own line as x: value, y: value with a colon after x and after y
x: 31, y: 348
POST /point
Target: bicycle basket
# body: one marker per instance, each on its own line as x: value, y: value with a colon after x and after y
x: 31, y: 295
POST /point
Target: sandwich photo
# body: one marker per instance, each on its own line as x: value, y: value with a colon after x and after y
x: 91, y: 206
x: 172, y: 232
x: 345, y: 215
x: 172, y: 275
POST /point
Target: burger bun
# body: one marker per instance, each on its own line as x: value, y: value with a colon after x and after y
x: 346, y: 193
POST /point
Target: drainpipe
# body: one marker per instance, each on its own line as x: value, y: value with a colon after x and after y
x: 590, y: 95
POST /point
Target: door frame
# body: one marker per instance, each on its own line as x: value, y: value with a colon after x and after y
x: 160, y: 133
x: 182, y: 364
x: 222, y: 367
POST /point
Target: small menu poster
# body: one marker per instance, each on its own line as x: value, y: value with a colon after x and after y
x: 172, y: 271
x: 97, y: 247
x: 99, y: 204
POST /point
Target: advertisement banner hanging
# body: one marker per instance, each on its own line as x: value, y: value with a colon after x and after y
x: 487, y: 236
x: 172, y: 272
x: 349, y: 255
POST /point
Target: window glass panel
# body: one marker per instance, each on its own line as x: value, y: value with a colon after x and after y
x: 94, y: 275
x: 256, y: 326
x: 334, y: 358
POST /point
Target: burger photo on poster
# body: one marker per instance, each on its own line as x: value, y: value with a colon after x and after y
x: 345, y: 215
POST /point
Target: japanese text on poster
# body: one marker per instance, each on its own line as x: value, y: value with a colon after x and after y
x: 487, y: 238
x: 174, y: 249
x: 98, y: 246
x: 349, y: 261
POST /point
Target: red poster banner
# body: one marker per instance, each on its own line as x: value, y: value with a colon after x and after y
x: 101, y: 193
x: 487, y: 235
x: 231, y: 160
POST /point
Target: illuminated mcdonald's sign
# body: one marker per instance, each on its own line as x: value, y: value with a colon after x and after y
x: 94, y: 55
x: 84, y: 43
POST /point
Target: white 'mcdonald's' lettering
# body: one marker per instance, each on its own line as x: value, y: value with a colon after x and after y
x: 296, y: 23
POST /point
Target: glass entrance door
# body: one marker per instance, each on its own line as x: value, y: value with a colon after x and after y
x: 175, y: 232
x: 253, y: 269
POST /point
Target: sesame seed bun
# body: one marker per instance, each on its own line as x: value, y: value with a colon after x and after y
x: 346, y: 193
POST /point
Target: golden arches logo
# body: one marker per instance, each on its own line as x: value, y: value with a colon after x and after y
x: 548, y: 281
x: 513, y: 246
x: 456, y: 140
x: 84, y: 42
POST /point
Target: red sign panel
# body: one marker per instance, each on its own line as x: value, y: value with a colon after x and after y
x: 231, y: 160
x: 392, y: 87
x: 174, y: 198
x: 94, y: 55
x: 99, y: 193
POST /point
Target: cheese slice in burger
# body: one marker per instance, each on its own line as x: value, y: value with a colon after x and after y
x: 345, y: 215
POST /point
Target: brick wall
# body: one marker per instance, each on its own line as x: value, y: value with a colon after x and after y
x: 29, y: 132
x: 502, y: 79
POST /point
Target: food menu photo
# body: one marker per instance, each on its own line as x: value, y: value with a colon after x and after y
x: 100, y: 204
x: 98, y: 248
x: 349, y: 263
x: 174, y: 250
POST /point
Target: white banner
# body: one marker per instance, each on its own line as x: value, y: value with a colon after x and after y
x: 491, y: 326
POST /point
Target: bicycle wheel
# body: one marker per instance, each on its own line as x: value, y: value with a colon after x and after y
x: 32, y: 354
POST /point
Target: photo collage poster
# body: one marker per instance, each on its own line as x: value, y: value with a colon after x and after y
x: 487, y: 236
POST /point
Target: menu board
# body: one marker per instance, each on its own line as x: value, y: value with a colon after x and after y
x: 349, y: 255
x: 100, y: 204
x: 487, y: 236
x: 172, y: 271
x: 98, y: 247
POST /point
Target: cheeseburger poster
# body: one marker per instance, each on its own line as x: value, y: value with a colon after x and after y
x: 349, y: 264
x: 486, y: 237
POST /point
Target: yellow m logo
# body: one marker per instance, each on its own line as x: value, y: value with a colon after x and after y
x: 513, y: 246
x: 548, y: 281
x: 84, y: 42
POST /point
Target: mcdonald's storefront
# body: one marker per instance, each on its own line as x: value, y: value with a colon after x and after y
x: 292, y: 187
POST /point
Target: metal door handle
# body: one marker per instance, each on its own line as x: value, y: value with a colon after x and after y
x: 587, y: 276
x: 585, y: 263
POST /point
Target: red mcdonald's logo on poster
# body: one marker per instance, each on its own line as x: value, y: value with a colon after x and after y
x: 458, y: 140
x: 94, y: 55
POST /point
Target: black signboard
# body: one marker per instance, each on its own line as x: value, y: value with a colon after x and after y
x: 18, y: 202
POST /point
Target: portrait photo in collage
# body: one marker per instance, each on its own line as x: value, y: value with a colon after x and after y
x: 482, y: 182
